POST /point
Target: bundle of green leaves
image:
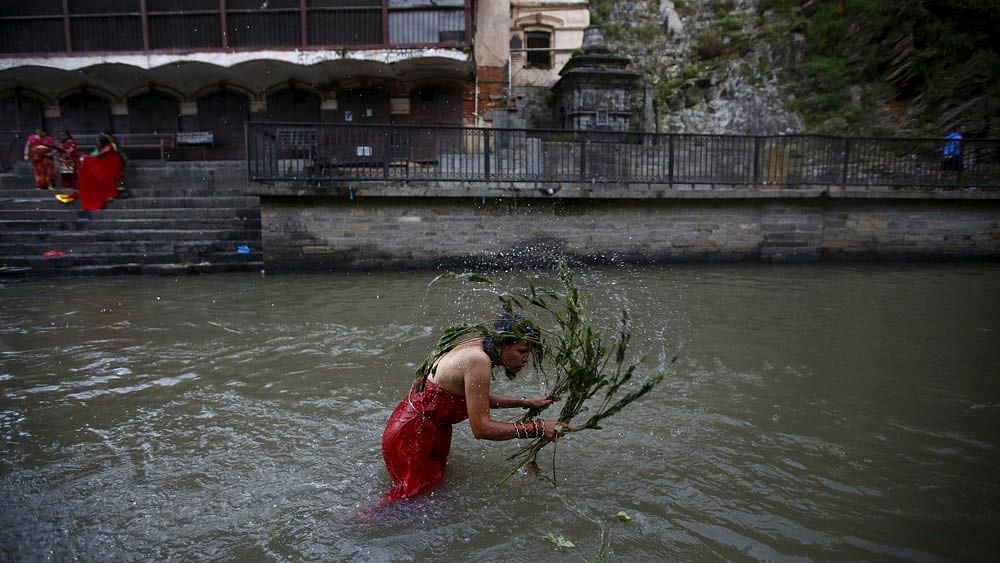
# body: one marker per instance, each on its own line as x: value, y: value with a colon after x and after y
x: 584, y: 368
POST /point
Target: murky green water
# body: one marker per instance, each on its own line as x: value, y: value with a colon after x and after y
x: 816, y: 413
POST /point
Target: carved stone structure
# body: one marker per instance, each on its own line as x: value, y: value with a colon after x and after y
x: 595, y: 88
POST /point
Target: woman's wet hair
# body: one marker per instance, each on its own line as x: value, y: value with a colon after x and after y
x: 509, y: 329
x: 513, y: 328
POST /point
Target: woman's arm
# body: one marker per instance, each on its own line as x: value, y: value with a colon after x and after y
x: 478, y: 400
x: 498, y: 401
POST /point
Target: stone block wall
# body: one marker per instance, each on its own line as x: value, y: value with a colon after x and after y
x: 360, y: 233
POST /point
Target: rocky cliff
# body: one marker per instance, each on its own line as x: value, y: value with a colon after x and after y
x: 877, y: 67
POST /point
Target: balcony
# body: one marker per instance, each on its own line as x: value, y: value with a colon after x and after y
x: 76, y: 27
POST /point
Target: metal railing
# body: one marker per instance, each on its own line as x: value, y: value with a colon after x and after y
x: 169, y: 25
x: 312, y: 152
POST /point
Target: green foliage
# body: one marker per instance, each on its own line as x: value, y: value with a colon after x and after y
x: 721, y: 7
x: 600, y: 12
x: 585, y: 365
x: 690, y: 71
x: 827, y: 77
x: 730, y: 23
x: 613, y: 31
x: 941, y: 57
x: 709, y: 46
x: 648, y: 32
x: 773, y: 33
x: 665, y: 90
x: 683, y: 8
x: 559, y: 541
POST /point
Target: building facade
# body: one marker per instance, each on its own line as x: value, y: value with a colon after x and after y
x: 203, y: 69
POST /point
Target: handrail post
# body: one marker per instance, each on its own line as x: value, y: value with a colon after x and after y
x: 486, y: 154
x: 847, y: 162
x: 386, y: 150
x: 756, y: 160
x: 670, y: 159
x: 583, y: 156
x: 961, y: 163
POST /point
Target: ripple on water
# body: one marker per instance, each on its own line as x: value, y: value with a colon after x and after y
x: 239, y: 418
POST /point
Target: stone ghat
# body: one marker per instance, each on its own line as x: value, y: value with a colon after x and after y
x: 180, y: 218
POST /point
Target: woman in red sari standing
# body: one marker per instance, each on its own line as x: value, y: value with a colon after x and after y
x: 38, y: 150
x: 417, y: 438
x: 99, y: 173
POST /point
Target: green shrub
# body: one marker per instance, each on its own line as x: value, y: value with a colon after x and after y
x: 722, y: 7
x: 648, y: 32
x: 613, y: 31
x: 689, y: 72
x: 709, y: 46
x: 731, y: 23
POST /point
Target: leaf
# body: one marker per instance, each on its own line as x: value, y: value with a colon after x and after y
x: 623, y: 516
x: 559, y: 541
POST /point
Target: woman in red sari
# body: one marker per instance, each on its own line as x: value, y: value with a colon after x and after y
x: 417, y: 438
x: 99, y: 174
x: 38, y: 150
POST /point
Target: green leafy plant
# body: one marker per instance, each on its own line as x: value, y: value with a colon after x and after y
x: 583, y: 363
x: 559, y: 541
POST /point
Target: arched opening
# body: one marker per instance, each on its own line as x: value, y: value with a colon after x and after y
x: 83, y: 112
x: 153, y: 112
x: 21, y: 113
x: 224, y: 113
x: 293, y: 104
x: 19, y: 116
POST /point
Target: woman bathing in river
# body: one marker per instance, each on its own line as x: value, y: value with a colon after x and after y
x: 417, y: 438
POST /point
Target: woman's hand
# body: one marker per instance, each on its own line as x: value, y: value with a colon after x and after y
x: 537, y: 402
x: 554, y: 429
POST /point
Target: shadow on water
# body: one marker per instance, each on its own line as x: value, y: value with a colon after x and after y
x: 822, y: 412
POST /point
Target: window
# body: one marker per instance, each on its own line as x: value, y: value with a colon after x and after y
x: 539, y: 40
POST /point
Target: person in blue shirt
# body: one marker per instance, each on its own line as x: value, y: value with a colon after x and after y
x: 953, y: 150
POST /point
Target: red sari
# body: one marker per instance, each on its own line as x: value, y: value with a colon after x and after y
x: 417, y: 440
x: 98, y: 176
x: 69, y: 158
x: 39, y: 151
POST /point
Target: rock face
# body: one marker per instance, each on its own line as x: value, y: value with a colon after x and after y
x: 705, y: 70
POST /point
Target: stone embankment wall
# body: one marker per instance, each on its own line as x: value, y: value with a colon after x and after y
x: 410, y: 226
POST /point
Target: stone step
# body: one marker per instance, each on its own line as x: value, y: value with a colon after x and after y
x: 85, y: 236
x: 71, y: 213
x: 101, y: 258
x: 159, y: 179
x: 125, y: 246
x: 178, y: 190
x: 179, y: 219
x: 171, y: 269
x: 98, y: 223
x: 135, y: 202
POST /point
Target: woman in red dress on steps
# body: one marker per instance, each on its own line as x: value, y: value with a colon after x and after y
x: 417, y: 438
x: 99, y: 174
x: 38, y: 150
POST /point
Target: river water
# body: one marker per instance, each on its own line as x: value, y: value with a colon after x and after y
x: 814, y: 413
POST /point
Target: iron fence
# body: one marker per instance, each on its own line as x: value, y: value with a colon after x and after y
x: 313, y: 152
